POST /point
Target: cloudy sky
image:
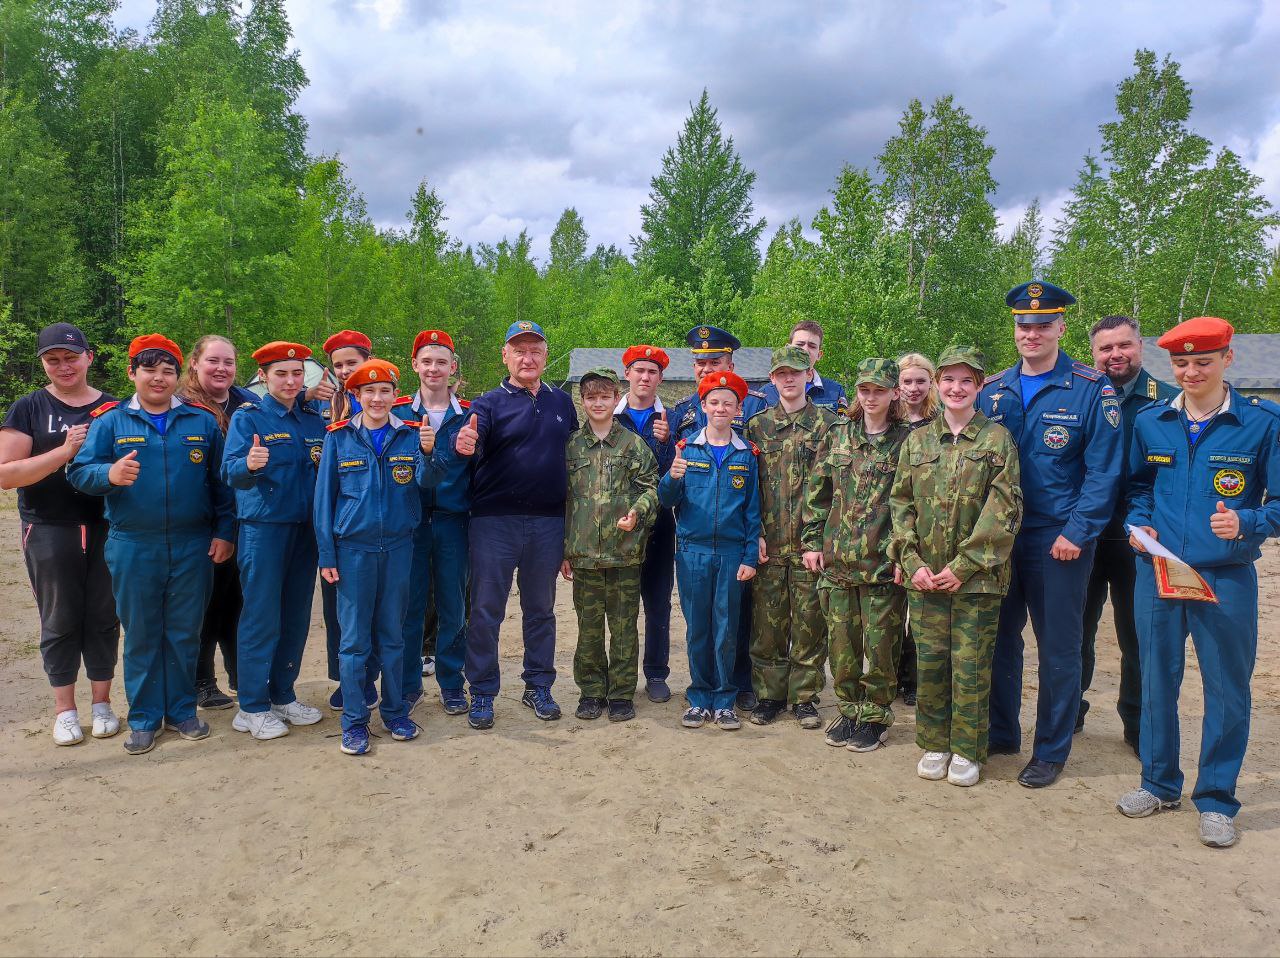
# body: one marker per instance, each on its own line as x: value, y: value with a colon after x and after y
x: 514, y: 111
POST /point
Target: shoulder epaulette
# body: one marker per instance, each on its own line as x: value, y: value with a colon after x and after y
x: 1266, y: 404
x: 336, y: 425
x: 415, y: 423
x: 994, y: 376
x: 759, y: 394
x: 247, y: 405
x: 1085, y: 372
x: 755, y: 450
x: 197, y: 405
x: 105, y: 407
x: 1153, y: 388
x: 681, y: 443
x: 403, y: 401
x: 464, y: 403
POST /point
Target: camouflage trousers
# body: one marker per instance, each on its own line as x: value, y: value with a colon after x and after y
x: 955, y: 638
x: 789, y: 634
x: 864, y: 620
x: 612, y: 596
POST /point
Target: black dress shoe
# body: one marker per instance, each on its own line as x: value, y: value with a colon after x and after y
x: 657, y: 690
x: 1040, y: 774
x: 997, y: 749
x: 747, y: 701
x: 1084, y: 710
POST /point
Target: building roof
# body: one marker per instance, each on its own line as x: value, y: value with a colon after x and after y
x: 1256, y: 364
x: 751, y: 363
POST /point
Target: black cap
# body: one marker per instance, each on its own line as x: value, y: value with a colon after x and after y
x: 61, y: 336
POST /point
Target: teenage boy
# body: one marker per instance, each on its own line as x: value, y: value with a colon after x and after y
x: 156, y: 460
x: 613, y: 483
x: 367, y: 506
x: 827, y: 393
x: 713, y: 487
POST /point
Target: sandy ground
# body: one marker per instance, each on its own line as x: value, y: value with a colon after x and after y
x: 591, y: 838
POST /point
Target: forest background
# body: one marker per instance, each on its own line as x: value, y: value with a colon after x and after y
x: 161, y: 182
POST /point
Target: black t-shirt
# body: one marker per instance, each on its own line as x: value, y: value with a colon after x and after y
x: 46, y: 419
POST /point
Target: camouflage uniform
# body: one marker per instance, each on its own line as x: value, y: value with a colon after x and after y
x: 956, y: 503
x: 846, y: 518
x: 607, y: 479
x: 789, y: 637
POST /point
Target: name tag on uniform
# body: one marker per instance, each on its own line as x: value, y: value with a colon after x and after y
x: 1160, y: 458
x: 402, y: 459
x: 352, y: 463
x: 738, y: 467
x: 1070, y: 418
x: 195, y: 438
x: 276, y: 436
x: 697, y: 464
x: 129, y: 440
x: 1235, y: 459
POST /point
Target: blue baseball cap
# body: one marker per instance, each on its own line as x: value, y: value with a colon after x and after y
x: 525, y: 328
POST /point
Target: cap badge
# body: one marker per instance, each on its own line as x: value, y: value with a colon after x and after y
x: 434, y: 337
x: 1035, y: 304
x: 373, y: 374
x: 1187, y: 347
x: 704, y: 333
x: 723, y: 381
x: 705, y: 344
x: 525, y: 324
x: 648, y: 352
x: 292, y: 353
x: 1035, y: 289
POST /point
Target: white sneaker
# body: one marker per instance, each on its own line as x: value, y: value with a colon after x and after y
x: 105, y: 722
x: 295, y: 713
x: 261, y: 725
x: 963, y: 772
x: 428, y: 665
x: 66, y: 728
x: 933, y: 766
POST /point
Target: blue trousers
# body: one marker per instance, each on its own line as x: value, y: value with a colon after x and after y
x: 333, y: 639
x: 1052, y: 592
x: 711, y: 599
x: 373, y: 589
x: 440, y: 567
x: 161, y: 589
x: 1226, y: 641
x: 278, y: 579
x: 657, y: 578
x: 531, y: 548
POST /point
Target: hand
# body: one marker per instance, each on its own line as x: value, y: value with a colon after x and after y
x: 258, y: 455
x: 661, y: 428
x: 897, y: 575
x: 323, y: 391
x: 923, y: 579
x: 1136, y: 545
x: 426, y: 436
x: 468, y: 436
x: 1064, y: 550
x: 746, y: 573
x: 946, y: 581
x: 74, y: 439
x: 628, y: 522
x: 764, y: 553
x: 124, y: 472
x: 1225, y: 523
x: 813, y: 561
x: 566, y: 571
x: 220, y: 550
x: 678, y: 466
x: 330, y: 575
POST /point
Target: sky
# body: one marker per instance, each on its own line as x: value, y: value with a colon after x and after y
x: 515, y: 111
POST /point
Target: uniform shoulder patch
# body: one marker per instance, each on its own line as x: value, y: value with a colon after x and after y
x: 1085, y: 372
x: 681, y: 444
x: 755, y: 450
x: 995, y: 376
x: 336, y: 425
x: 464, y: 403
x: 415, y: 423
x: 247, y: 405
x: 105, y: 407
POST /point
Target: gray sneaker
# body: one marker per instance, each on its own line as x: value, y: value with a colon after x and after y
x: 727, y: 719
x: 192, y: 729
x: 1140, y: 803
x: 140, y: 742
x: 1217, y: 831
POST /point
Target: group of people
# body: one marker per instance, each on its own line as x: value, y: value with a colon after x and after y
x: 904, y: 531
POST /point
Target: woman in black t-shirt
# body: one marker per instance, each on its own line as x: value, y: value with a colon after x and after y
x: 63, y: 531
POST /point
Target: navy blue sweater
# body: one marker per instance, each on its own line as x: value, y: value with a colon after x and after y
x: 519, y: 467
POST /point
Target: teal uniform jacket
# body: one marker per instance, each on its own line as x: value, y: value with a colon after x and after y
x: 717, y: 508
x: 284, y: 489
x: 688, y: 419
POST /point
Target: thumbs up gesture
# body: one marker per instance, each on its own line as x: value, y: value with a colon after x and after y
x: 468, y: 436
x: 1225, y: 523
x: 628, y: 522
x: 124, y: 472
x: 661, y: 428
x: 258, y: 455
x: 426, y: 436
x: 678, y: 466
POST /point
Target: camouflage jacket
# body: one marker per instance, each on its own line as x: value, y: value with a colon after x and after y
x: 607, y: 479
x: 788, y: 445
x: 846, y: 511
x: 957, y: 501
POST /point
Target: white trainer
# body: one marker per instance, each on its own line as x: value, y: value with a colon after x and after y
x: 963, y: 772
x: 295, y: 713
x: 105, y: 722
x: 933, y: 766
x: 66, y: 728
x: 261, y: 725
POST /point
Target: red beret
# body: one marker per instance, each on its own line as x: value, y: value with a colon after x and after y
x: 155, y: 341
x: 372, y: 371
x: 432, y: 337
x: 723, y: 380
x: 347, y: 337
x: 1203, y: 334
x: 279, y: 351
x: 651, y: 353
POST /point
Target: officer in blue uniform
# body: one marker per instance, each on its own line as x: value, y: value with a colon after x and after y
x: 156, y: 460
x: 827, y: 393
x: 1204, y: 476
x: 272, y: 454
x: 1065, y: 419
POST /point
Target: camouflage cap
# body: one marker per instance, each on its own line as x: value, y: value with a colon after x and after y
x: 599, y: 372
x: 877, y: 372
x: 970, y: 356
x: 790, y: 357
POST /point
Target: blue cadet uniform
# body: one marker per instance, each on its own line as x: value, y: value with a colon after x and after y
x: 275, y: 544
x: 440, y: 554
x: 1179, y: 472
x: 1069, y: 448
x: 717, y: 509
x: 367, y: 507
x: 826, y: 393
x: 158, y: 545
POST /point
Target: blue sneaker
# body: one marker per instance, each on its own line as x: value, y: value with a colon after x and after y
x: 403, y: 729
x: 454, y: 701
x: 335, y: 700
x: 411, y: 701
x: 481, y: 714
x: 538, y: 698
x: 355, y: 740
x: 371, y: 694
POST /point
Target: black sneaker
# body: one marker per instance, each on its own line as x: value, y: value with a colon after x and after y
x: 806, y: 714
x: 746, y: 700
x: 538, y: 698
x: 766, y: 711
x: 211, y: 697
x: 589, y: 708
x: 908, y: 695
x: 840, y: 731
x: 658, y: 690
x: 621, y: 710
x: 868, y: 736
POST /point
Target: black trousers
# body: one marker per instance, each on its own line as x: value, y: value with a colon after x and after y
x: 72, y: 585
x: 1114, y: 573
x: 657, y: 579
x: 221, y: 620
x: 907, y: 661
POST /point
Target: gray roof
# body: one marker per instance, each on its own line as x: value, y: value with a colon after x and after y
x: 1256, y: 364
x: 751, y: 363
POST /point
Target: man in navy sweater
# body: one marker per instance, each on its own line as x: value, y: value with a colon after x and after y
x: 516, y: 436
